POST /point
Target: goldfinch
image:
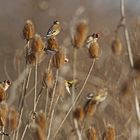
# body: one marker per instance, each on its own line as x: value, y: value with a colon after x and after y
x: 3, y: 87
x: 69, y: 84
x: 54, y: 29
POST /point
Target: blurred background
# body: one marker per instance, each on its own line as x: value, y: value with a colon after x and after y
x: 103, y: 16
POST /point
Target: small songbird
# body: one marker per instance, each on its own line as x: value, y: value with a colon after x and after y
x: 54, y: 29
x: 69, y: 84
x: 3, y: 87
x: 92, y: 38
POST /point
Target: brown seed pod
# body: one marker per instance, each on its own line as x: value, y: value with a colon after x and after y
x: 37, y: 44
x: 2, y: 94
x: 116, y: 46
x: 28, y: 30
x: 48, y: 78
x: 90, y: 108
x: 12, y: 119
x: 91, y: 134
x: 52, y: 44
x: 41, y: 121
x: 94, y: 50
x: 3, y: 113
x: 78, y: 114
x: 110, y: 133
x: 80, y: 34
x: 59, y: 59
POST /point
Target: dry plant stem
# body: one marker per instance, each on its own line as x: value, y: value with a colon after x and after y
x: 38, y: 97
x: 47, y: 89
x: 51, y: 109
x: 35, y: 84
x: 76, y: 99
x: 77, y: 130
x: 2, y: 137
x: 74, y: 73
x: 46, y: 101
x: 22, y: 103
x: 126, y: 34
x: 25, y: 129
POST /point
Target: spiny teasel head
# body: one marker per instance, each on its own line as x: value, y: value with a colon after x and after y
x: 3, y: 87
x: 28, y: 30
x: 48, y: 78
x: 12, y: 119
x: 80, y: 34
x: 93, y: 46
x: 52, y: 44
x: 37, y: 44
x: 90, y: 107
x: 116, y: 46
x: 39, y: 126
x: 3, y: 113
x: 110, y: 133
x: 41, y: 120
x: 59, y: 59
x: 79, y: 114
x: 92, y: 134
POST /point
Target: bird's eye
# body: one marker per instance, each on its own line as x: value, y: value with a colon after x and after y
x: 8, y: 82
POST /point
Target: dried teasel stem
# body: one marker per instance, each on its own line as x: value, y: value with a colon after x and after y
x: 76, y: 99
x: 24, y: 132
x: 77, y: 129
x: 22, y: 103
x: 51, y: 109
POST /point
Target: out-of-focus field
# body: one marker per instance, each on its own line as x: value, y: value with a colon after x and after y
x: 110, y: 71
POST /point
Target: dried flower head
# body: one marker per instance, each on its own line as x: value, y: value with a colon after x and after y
x: 52, y: 44
x: 92, y: 134
x: 3, y: 113
x: 94, y: 50
x: 31, y: 59
x: 90, y: 108
x: 28, y: 30
x: 116, y: 46
x: 12, y: 119
x: 110, y: 133
x: 80, y: 34
x: 59, y: 59
x: 37, y: 44
x: 41, y: 121
x: 78, y: 114
x: 48, y: 78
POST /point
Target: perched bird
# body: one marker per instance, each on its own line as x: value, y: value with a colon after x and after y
x: 69, y: 84
x: 3, y: 87
x: 54, y: 29
x: 91, y: 39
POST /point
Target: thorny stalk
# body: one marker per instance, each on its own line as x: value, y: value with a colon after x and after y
x: 25, y: 129
x: 2, y: 137
x: 76, y: 99
x: 35, y: 84
x: 51, y: 110
x: 22, y: 103
x: 77, y: 130
x: 123, y: 24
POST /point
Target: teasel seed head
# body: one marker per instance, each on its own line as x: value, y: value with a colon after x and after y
x: 48, y: 78
x: 116, y: 46
x: 41, y: 121
x: 79, y: 114
x: 12, y: 119
x: 94, y: 50
x: 92, y: 134
x: 90, y: 108
x: 59, y: 59
x: 37, y: 44
x: 31, y: 59
x: 3, y: 113
x: 80, y: 34
x: 110, y: 133
x: 28, y: 30
x: 52, y: 44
